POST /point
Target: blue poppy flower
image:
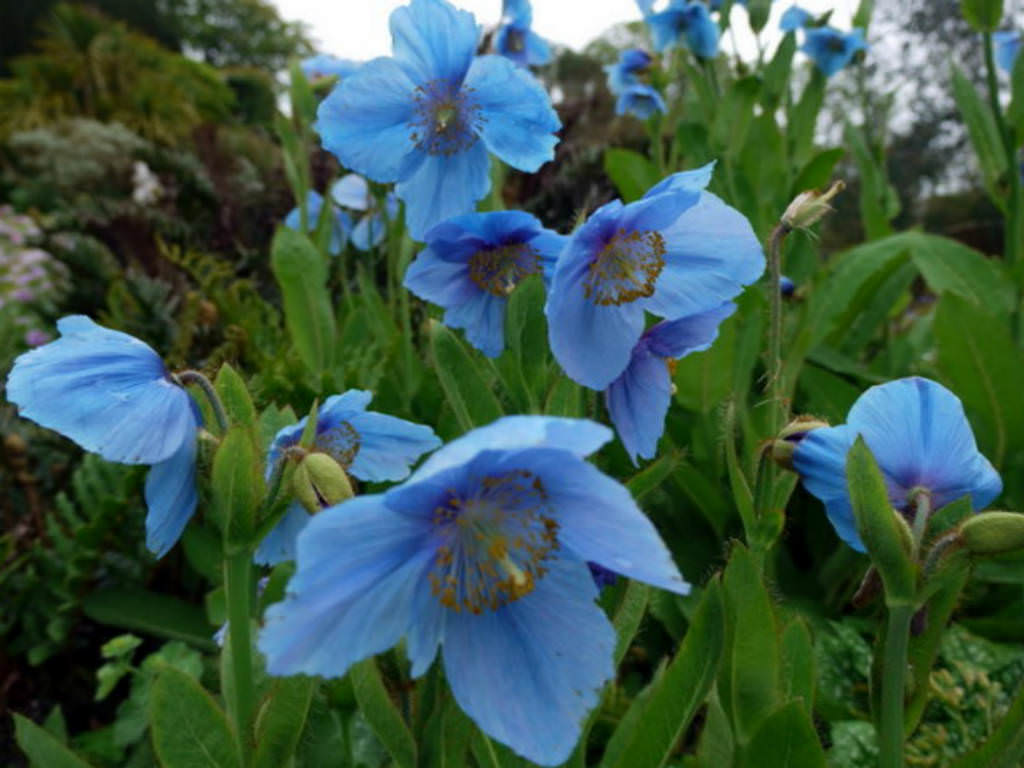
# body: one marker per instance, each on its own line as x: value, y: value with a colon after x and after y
x: 1007, y: 45
x: 786, y: 286
x: 484, y: 552
x: 794, y: 18
x: 640, y: 100
x: 516, y: 41
x: 325, y: 65
x: 689, y: 21
x: 638, y: 400
x: 352, y: 191
x: 368, y: 445
x: 427, y: 117
x: 831, y: 49
x: 340, y: 225
x: 625, y: 72
x: 645, y: 6
x: 111, y: 394
x: 472, y: 263
x: 920, y: 438
x: 678, y: 251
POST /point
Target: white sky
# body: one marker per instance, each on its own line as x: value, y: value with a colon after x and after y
x: 358, y: 29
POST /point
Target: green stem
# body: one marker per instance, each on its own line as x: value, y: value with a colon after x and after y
x: 774, y: 385
x: 657, y: 145
x: 894, y: 670
x: 1012, y: 238
x: 197, y: 378
x: 237, y: 588
x: 922, y: 511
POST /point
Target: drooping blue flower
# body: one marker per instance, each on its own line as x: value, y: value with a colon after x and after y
x: 427, y: 117
x: 484, y: 552
x: 625, y: 72
x: 111, y: 394
x: 325, y: 65
x: 831, y: 49
x: 786, y: 286
x: 368, y: 445
x: 685, y: 20
x: 340, y: 223
x: 516, y: 41
x: 638, y: 400
x: 678, y: 251
x: 640, y: 100
x: 352, y: 191
x: 1007, y: 45
x: 794, y: 18
x: 472, y: 263
x: 920, y: 438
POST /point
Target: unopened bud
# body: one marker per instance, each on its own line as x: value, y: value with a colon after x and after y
x: 319, y: 482
x: 809, y: 207
x: 993, y: 533
x: 784, y: 446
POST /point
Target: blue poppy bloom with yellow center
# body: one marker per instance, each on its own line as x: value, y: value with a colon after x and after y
x: 112, y: 394
x: 484, y: 553
x: 427, y: 117
x: 678, y: 251
x: 830, y: 49
x: 920, y: 437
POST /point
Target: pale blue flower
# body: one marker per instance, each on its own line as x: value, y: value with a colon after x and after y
x: 516, y: 41
x: 640, y: 100
x: 626, y: 71
x: 352, y: 191
x: 340, y: 222
x: 325, y: 65
x: 795, y: 18
x: 1007, y: 46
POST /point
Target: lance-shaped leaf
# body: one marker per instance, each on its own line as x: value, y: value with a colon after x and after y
x: 189, y: 729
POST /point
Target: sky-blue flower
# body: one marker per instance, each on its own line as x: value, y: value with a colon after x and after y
x: 111, y: 394
x: 352, y: 191
x: 1007, y: 44
x: 678, y: 251
x: 516, y: 41
x: 920, y: 437
x: 795, y: 17
x: 427, y: 117
x: 687, y: 21
x: 638, y: 400
x: 340, y: 224
x: 484, y: 552
x: 325, y: 65
x: 831, y: 49
x: 640, y: 100
x: 472, y: 263
x: 370, y: 446
x: 626, y: 71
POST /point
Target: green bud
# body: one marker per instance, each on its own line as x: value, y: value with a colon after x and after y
x: 319, y: 481
x: 784, y: 446
x: 809, y: 207
x: 993, y: 533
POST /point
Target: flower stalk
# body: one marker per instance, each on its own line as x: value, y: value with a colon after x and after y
x: 238, y: 589
x: 894, y: 669
x: 195, y: 377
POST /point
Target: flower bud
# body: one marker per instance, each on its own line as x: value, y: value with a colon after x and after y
x: 809, y: 207
x: 784, y: 446
x: 993, y: 533
x: 319, y: 482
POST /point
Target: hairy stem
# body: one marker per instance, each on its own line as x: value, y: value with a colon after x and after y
x: 197, y: 378
x: 894, y: 669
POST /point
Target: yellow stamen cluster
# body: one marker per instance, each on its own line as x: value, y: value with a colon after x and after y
x: 626, y: 268
x: 499, y: 270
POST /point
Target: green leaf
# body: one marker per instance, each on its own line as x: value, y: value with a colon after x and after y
x: 1015, y: 112
x: 983, y: 15
x: 238, y: 486
x: 632, y: 173
x: 797, y: 671
x: 734, y: 114
x: 981, y: 363
x: 748, y: 679
x: 817, y: 172
x: 302, y: 97
x: 882, y: 530
x: 1005, y: 747
x: 152, y: 613
x: 302, y: 276
x: 705, y: 379
x: 776, y: 73
x: 524, y: 365
x: 982, y: 130
x: 653, y: 475
x: 235, y: 397
x: 189, y: 729
x: 758, y: 11
x: 203, y: 551
x: 628, y: 615
x: 803, y: 118
x: 564, y: 398
x: 786, y: 739
x: 878, y: 202
x: 280, y: 720
x: 381, y: 713
x: 952, y: 267
x: 42, y: 747
x: 660, y: 715
x: 468, y: 391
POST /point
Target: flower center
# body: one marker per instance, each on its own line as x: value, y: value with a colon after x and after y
x: 626, y: 268
x: 446, y: 118
x: 493, y: 543
x: 498, y: 270
x: 339, y: 441
x: 515, y: 40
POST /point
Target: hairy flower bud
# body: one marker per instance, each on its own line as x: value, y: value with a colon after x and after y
x: 809, y: 207
x: 993, y: 533
x: 785, y: 444
x: 319, y: 482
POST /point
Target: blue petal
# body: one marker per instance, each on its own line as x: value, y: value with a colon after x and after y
x: 366, y: 122
x: 794, y: 18
x: 171, y: 497
x: 106, y: 390
x: 538, y: 52
x: 324, y: 64
x: 529, y: 673
x: 360, y: 566
x: 830, y: 49
x: 482, y: 316
x: 350, y: 400
x: 711, y: 253
x: 388, y: 446
x: 443, y: 282
x: 444, y: 186
x: 701, y: 31
x: 820, y: 458
x: 1007, y: 47
x: 519, y: 124
x: 432, y: 40
x: 351, y: 191
x: 517, y: 12
x: 665, y: 28
x: 696, y: 180
x: 673, y: 339
x: 638, y: 401
x: 579, y: 437
x: 369, y: 232
x: 640, y: 100
x: 278, y: 546
x: 549, y: 245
